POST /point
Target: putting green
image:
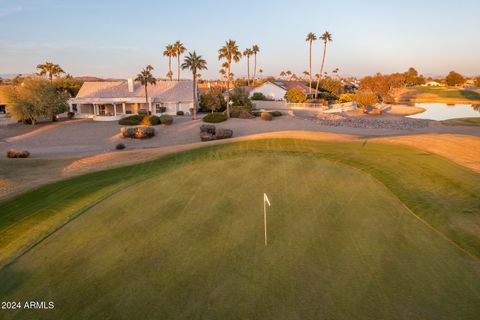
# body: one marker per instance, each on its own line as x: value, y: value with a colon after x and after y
x: 350, y: 237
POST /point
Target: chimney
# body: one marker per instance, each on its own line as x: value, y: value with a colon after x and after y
x: 130, y: 85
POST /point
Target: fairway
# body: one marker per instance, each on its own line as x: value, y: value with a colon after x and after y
x: 356, y: 231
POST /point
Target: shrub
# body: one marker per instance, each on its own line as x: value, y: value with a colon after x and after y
x: 214, y: 117
x: 276, y: 113
x: 266, y: 116
x: 331, y: 85
x: 294, y: 95
x: 346, y: 97
x: 131, y: 120
x: 180, y: 113
x: 120, y: 146
x: 166, y: 119
x: 365, y: 98
x: 212, y: 100
x: 240, y: 98
x: 12, y: 153
x: 454, y: 79
x: 128, y: 132
x: 70, y: 115
x: 150, y: 120
x: 258, y: 96
x: 330, y: 97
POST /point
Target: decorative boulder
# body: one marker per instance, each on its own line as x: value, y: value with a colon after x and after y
x: 128, y: 132
x: 209, y: 128
x: 223, y: 133
x: 266, y: 116
x: 205, y: 136
x: 12, y: 153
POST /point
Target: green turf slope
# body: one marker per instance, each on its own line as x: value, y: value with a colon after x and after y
x: 357, y: 231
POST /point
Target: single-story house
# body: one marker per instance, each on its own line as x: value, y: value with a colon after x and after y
x: 433, y: 84
x: 112, y: 100
x: 276, y: 90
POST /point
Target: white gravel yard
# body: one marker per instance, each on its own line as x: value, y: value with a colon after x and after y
x: 87, y: 137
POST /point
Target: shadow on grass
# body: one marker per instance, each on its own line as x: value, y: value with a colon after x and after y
x: 11, y: 279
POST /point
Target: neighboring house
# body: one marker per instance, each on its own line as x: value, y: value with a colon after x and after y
x: 433, y: 84
x: 112, y: 100
x: 276, y: 90
x: 349, y: 86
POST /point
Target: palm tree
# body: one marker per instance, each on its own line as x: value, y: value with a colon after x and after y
x: 247, y: 53
x: 282, y: 74
x: 306, y: 74
x: 310, y: 38
x: 326, y: 37
x: 229, y: 52
x: 255, y: 50
x: 145, y: 77
x: 169, y: 52
x: 194, y: 63
x: 288, y: 74
x: 179, y: 49
x: 49, y: 69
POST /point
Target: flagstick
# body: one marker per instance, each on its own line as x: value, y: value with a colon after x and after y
x: 265, y: 219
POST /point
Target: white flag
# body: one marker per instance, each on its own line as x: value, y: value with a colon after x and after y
x: 265, y: 199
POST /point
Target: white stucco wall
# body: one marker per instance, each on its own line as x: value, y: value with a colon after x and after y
x: 270, y: 91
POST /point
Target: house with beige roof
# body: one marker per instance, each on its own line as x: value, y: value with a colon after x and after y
x: 276, y: 90
x: 112, y: 100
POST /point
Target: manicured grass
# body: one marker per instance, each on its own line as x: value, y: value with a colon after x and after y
x: 464, y: 121
x: 182, y: 236
x: 440, y: 94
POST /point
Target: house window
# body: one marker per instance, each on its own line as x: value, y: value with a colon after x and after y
x: 159, y: 108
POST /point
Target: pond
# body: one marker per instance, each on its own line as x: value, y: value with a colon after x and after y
x: 443, y: 111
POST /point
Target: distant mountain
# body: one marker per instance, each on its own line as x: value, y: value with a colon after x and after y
x: 10, y: 76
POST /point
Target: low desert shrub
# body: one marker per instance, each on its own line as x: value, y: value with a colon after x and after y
x: 294, y: 95
x: 120, y: 146
x: 215, y: 117
x: 345, y: 97
x: 137, y: 132
x: 166, y: 119
x: 12, y: 153
x: 266, y: 116
x: 275, y: 113
x: 258, y: 96
x: 180, y: 113
x: 131, y: 120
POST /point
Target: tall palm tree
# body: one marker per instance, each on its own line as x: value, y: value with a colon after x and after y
x: 49, y: 69
x: 194, y: 63
x: 247, y: 53
x: 169, y: 52
x: 310, y: 38
x: 255, y: 50
x: 145, y: 77
x: 229, y: 52
x: 306, y: 74
x: 282, y: 74
x: 288, y: 74
x: 179, y: 50
x: 326, y: 37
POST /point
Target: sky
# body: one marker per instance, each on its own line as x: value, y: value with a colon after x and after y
x: 116, y: 39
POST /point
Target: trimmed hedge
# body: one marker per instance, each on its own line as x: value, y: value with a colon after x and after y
x: 215, y: 117
x: 180, y: 113
x: 131, y: 120
x: 166, y: 119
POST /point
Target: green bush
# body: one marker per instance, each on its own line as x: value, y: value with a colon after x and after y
x: 330, y: 97
x: 214, y: 117
x: 180, y: 113
x: 346, y: 97
x: 294, y: 95
x: 131, y: 120
x: 166, y: 119
x: 258, y: 96
x: 213, y: 100
x: 240, y: 98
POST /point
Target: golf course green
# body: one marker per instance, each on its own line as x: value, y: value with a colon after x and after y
x: 356, y: 230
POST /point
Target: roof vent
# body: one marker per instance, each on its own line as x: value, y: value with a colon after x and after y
x: 130, y: 85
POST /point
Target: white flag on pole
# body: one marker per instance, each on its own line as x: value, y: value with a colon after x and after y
x: 265, y: 199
